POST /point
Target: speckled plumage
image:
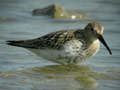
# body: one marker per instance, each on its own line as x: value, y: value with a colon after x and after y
x: 66, y: 46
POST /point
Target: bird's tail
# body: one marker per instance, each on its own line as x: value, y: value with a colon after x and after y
x: 16, y: 43
x: 22, y: 43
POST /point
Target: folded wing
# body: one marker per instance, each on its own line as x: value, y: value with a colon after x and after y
x: 53, y: 40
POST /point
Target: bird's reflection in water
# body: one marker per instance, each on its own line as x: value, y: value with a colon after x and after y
x: 58, y: 77
x: 80, y: 76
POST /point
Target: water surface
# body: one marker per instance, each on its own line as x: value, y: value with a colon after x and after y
x: 20, y: 69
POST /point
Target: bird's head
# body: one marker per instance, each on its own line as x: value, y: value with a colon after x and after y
x: 95, y: 31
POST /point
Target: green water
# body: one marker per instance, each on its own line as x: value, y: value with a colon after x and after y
x: 20, y: 69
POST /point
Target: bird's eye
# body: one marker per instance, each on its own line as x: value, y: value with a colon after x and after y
x: 92, y: 29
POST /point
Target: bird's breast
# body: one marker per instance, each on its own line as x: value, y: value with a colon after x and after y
x: 92, y: 49
x: 73, y: 47
x: 94, y: 46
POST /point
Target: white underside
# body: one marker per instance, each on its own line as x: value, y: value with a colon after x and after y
x: 71, y: 53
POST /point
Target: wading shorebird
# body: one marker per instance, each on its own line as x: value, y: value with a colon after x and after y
x: 67, y: 46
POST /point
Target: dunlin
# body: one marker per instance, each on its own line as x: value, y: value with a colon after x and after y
x: 67, y: 46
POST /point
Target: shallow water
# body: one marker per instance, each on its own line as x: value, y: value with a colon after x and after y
x: 20, y: 69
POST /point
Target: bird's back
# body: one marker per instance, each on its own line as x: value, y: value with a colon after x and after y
x: 53, y: 40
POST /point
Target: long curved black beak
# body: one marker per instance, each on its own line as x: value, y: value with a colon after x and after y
x: 100, y: 37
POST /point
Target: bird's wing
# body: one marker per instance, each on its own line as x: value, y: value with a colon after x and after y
x: 53, y: 40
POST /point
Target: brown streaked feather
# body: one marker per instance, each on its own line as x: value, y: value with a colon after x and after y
x: 21, y: 43
x: 53, y: 40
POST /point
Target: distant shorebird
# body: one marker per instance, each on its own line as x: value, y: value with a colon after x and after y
x: 66, y: 46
